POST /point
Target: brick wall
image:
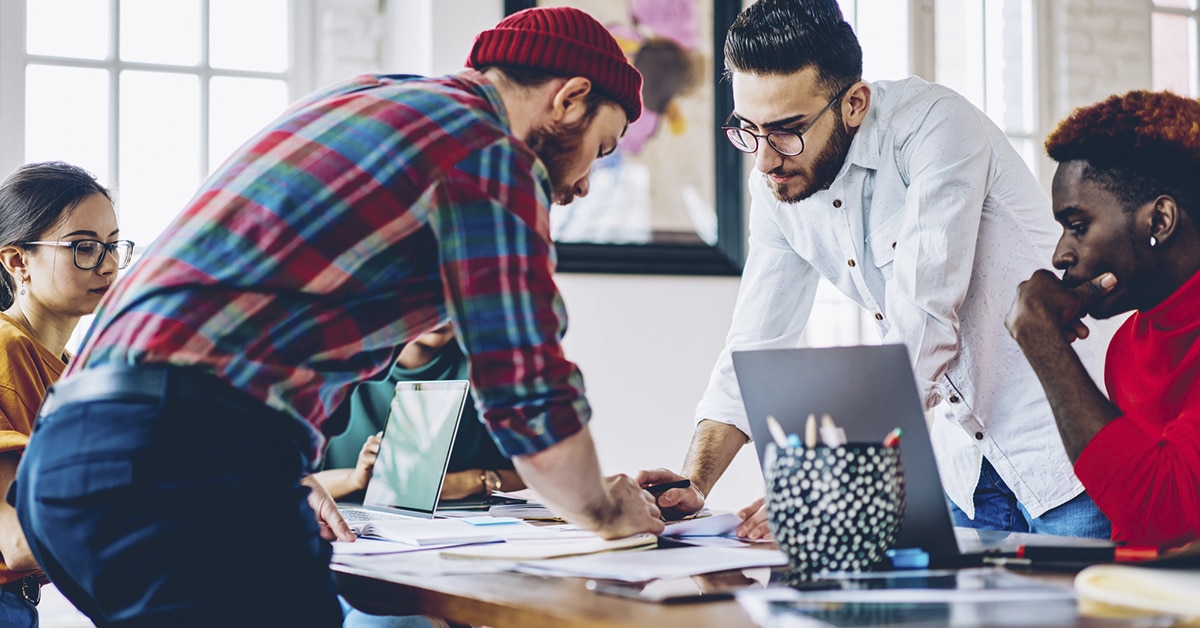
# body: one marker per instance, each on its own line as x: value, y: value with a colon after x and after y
x: 1096, y: 48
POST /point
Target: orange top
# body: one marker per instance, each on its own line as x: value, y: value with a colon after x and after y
x: 27, y: 369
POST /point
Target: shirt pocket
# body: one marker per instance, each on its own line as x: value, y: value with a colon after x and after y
x: 882, y: 243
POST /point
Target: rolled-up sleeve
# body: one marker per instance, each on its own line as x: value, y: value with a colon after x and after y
x: 491, y: 221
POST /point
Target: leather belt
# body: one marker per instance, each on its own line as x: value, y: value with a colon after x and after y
x: 29, y: 587
x: 144, y: 383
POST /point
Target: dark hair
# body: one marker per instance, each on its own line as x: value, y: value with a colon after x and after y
x: 1138, y: 146
x: 527, y: 77
x: 786, y: 36
x: 33, y: 199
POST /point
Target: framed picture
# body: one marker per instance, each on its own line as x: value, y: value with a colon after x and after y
x: 669, y: 200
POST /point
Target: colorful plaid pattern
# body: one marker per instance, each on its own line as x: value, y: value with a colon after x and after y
x: 359, y: 219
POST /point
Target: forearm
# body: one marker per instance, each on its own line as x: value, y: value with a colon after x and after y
x: 567, y: 477
x: 714, y: 445
x: 338, y: 482
x: 1080, y: 409
x: 14, y: 549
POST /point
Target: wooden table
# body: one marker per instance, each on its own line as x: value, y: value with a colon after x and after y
x: 503, y: 600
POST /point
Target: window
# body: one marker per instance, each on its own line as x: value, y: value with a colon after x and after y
x: 149, y: 95
x: 987, y: 51
x: 1173, y: 46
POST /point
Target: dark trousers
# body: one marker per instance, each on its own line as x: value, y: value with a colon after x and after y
x: 184, y: 510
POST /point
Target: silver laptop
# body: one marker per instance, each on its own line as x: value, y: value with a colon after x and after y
x: 869, y: 390
x: 417, y: 439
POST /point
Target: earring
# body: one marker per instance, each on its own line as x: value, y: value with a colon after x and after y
x: 1153, y: 241
x: 22, y: 292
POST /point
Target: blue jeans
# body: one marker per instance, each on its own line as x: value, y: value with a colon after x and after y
x: 996, y: 508
x: 177, y: 512
x: 16, y: 611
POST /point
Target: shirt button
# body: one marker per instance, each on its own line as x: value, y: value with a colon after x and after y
x: 878, y: 316
x: 893, y: 246
x: 850, y: 262
x: 978, y: 435
x: 953, y: 398
x: 837, y: 202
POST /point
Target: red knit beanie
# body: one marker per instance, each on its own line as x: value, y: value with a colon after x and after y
x: 562, y: 41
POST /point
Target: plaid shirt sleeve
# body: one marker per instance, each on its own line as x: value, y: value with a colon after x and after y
x: 490, y: 216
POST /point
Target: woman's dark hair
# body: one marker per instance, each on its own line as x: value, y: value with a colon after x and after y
x: 786, y: 36
x: 1137, y: 145
x: 33, y: 199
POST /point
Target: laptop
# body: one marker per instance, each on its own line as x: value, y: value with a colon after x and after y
x: 414, y: 453
x: 870, y: 390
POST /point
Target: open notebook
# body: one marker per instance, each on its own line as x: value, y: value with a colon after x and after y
x: 417, y: 439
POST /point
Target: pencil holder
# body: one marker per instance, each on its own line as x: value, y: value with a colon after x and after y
x: 834, y: 509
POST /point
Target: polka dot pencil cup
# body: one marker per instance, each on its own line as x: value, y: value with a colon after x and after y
x: 834, y: 509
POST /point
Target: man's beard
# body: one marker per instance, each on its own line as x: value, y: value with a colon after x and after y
x: 556, y: 147
x: 824, y: 168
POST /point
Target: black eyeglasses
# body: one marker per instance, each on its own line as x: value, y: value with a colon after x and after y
x: 789, y: 142
x: 88, y: 254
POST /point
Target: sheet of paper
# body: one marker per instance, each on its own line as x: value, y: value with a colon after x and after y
x: 676, y: 562
x: 716, y: 525
x: 518, y: 550
x: 426, y: 532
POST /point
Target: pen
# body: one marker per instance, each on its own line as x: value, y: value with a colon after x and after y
x: 659, y: 489
x: 810, y: 432
x: 893, y: 438
x: 1119, y: 554
x: 776, y: 431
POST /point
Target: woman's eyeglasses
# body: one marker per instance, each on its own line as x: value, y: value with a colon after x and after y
x: 789, y: 142
x: 88, y: 254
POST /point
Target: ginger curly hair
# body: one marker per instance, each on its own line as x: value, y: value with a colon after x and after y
x: 1137, y: 145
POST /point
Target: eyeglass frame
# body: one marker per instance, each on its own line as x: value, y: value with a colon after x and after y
x: 105, y: 249
x: 798, y: 133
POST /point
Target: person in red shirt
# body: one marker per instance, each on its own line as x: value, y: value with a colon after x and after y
x: 1128, y: 197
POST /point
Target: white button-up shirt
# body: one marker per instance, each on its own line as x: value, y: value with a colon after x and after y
x: 930, y: 225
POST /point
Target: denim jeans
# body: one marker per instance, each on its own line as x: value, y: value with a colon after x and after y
x: 178, y: 512
x: 996, y: 508
x: 16, y: 611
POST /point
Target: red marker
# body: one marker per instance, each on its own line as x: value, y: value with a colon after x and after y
x: 1119, y: 554
x: 893, y: 438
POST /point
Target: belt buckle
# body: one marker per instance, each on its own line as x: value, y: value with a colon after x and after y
x: 31, y: 589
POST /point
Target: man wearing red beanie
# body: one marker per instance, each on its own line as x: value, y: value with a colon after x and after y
x: 366, y: 215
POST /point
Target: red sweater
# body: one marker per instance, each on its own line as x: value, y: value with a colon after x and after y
x: 1143, y: 468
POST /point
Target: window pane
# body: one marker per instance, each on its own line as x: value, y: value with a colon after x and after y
x: 958, y: 60
x: 1178, y: 4
x: 84, y: 36
x: 159, y: 150
x: 238, y: 109
x: 1010, y: 75
x: 66, y: 117
x: 248, y: 34
x: 154, y: 31
x: 882, y: 31
x: 1169, y: 47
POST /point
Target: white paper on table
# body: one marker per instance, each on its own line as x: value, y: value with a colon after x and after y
x: 429, y: 532
x: 716, y: 525
x: 676, y: 562
x: 424, y: 563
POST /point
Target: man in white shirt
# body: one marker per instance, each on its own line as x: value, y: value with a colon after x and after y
x: 913, y: 204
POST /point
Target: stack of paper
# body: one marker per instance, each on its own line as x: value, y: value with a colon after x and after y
x: 518, y: 550
x: 1123, y: 590
x: 430, y: 532
x: 676, y: 562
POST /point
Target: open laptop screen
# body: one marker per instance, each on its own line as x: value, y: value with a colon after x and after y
x: 416, y: 446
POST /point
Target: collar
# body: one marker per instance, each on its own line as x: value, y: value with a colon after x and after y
x: 1180, y: 310
x: 865, y: 146
x: 486, y: 89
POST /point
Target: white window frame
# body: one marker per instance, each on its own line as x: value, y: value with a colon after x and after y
x: 1193, y: 15
x: 14, y: 60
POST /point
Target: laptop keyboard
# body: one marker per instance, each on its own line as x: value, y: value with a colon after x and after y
x: 356, y: 514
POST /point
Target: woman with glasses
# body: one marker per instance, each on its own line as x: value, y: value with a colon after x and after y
x: 59, y: 253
